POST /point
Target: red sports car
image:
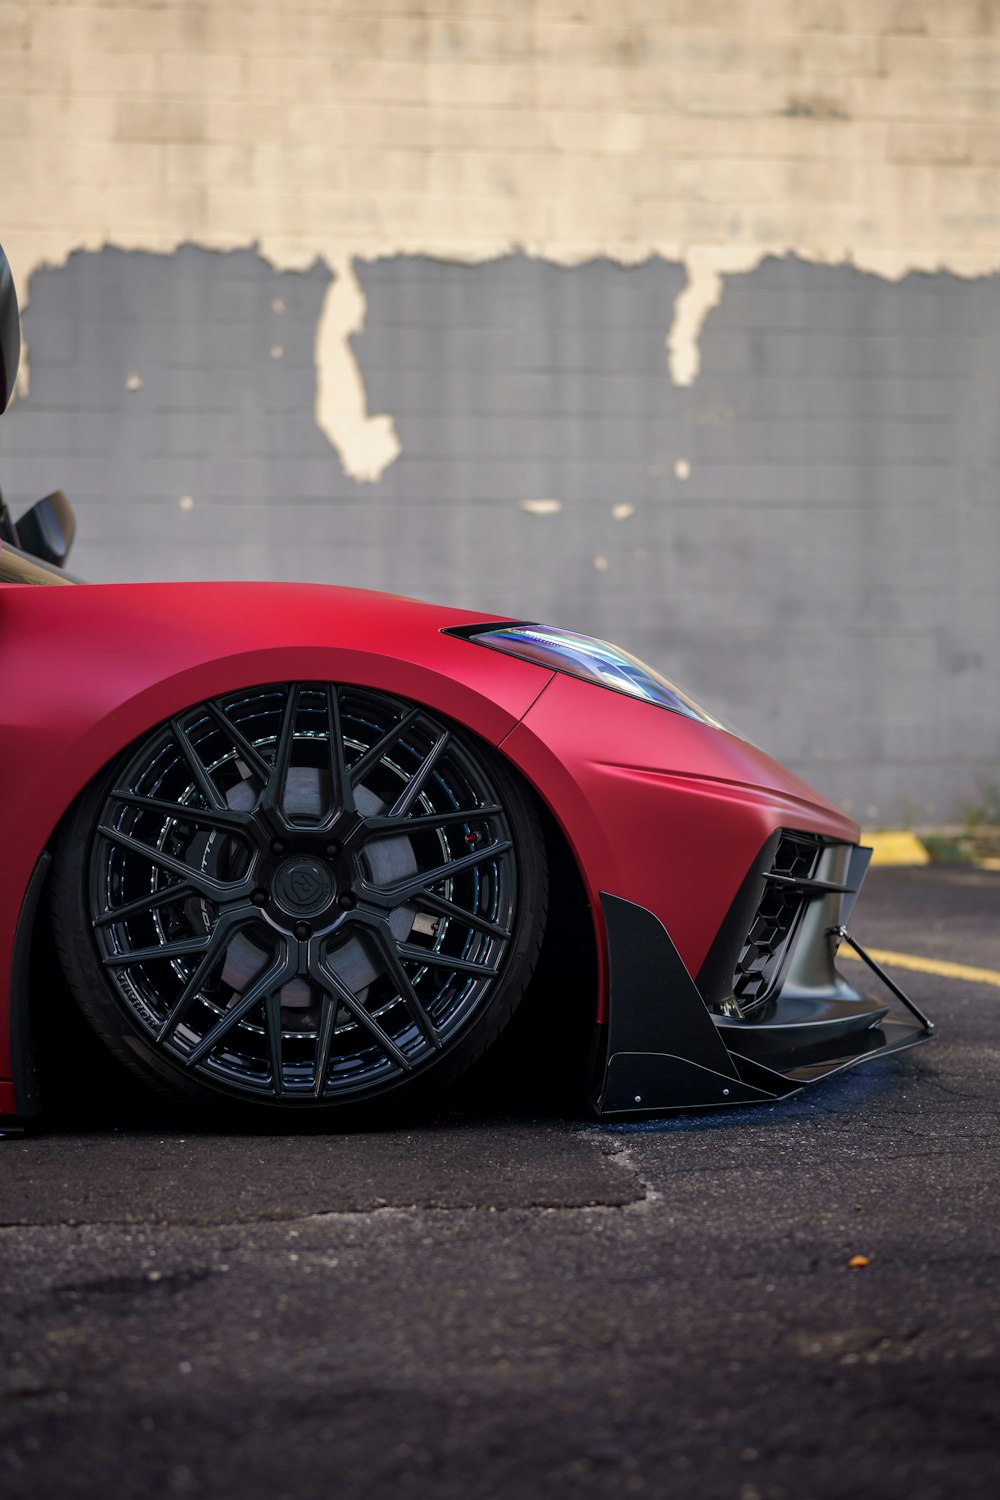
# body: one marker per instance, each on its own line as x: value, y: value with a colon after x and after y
x: 299, y: 848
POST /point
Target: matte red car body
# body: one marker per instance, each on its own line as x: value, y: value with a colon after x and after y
x: 678, y: 842
x: 88, y: 670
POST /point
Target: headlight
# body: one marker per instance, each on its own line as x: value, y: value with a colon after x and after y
x: 595, y: 661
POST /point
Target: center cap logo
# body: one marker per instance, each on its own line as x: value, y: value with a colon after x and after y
x: 303, y: 886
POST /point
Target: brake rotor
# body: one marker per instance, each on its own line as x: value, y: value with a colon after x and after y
x: 355, y: 964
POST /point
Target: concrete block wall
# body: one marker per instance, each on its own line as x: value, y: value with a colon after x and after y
x: 672, y: 321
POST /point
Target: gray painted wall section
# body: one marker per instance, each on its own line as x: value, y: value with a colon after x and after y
x: 826, y: 576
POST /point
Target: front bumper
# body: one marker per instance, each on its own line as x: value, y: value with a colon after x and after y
x: 782, y: 1018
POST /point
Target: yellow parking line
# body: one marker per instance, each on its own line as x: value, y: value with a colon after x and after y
x: 939, y: 966
x: 896, y: 848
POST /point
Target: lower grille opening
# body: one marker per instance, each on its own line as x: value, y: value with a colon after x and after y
x: 761, y: 958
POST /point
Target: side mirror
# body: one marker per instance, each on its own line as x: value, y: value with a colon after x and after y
x: 48, y: 528
x: 10, y: 333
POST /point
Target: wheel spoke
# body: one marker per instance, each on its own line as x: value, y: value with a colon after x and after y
x: 392, y: 953
x: 446, y: 961
x: 440, y: 906
x: 226, y: 927
x: 380, y: 825
x: 329, y: 1006
x: 419, y: 779
x: 145, y: 903
x: 205, y: 885
x: 401, y: 890
x: 341, y: 788
x: 272, y: 1028
x: 183, y: 812
x: 274, y: 790
x: 281, y: 970
x: 332, y: 982
x: 184, y: 948
x: 372, y: 756
x: 249, y: 754
x: 199, y: 770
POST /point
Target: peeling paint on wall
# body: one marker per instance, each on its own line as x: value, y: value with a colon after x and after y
x: 367, y: 445
x: 707, y: 268
x: 702, y: 291
x: 843, y: 133
x: 700, y: 295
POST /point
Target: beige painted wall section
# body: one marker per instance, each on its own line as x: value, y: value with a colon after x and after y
x: 710, y: 131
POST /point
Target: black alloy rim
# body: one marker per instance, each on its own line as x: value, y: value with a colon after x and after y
x: 303, y: 891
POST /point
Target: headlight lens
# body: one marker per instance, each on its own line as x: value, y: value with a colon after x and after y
x: 595, y: 661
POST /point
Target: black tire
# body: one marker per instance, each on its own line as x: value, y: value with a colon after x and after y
x: 302, y: 898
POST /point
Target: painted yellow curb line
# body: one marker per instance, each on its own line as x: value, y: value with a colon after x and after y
x: 898, y: 848
x: 939, y: 966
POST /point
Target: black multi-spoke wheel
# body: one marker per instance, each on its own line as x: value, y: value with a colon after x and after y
x: 301, y: 895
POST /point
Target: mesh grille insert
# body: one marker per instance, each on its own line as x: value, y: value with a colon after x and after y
x: 759, y: 964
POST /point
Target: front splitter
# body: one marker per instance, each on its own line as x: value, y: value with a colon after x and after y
x: 664, y: 1050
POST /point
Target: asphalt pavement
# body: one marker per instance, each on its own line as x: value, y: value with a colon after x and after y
x: 508, y: 1300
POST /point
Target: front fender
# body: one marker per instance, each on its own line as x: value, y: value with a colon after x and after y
x: 88, y: 670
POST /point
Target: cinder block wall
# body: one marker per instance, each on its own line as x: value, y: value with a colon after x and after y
x: 672, y: 320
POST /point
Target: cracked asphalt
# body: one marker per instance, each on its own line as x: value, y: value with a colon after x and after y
x: 509, y: 1301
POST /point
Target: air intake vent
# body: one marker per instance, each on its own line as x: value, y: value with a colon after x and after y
x: 759, y: 965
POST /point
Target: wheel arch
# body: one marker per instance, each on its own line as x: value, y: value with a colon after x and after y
x: 557, y: 1025
x: 34, y: 973
x: 107, y: 728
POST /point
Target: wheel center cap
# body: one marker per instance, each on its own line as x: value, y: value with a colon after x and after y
x: 303, y: 886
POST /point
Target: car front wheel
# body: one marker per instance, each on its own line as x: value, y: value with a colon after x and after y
x: 301, y: 896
